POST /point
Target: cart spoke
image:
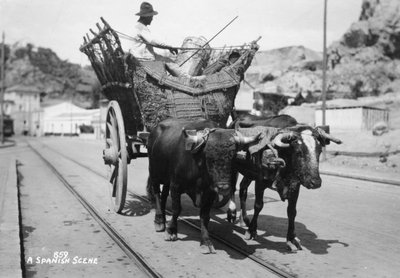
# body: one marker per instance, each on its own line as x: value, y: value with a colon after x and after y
x: 114, y: 121
x: 115, y: 180
x: 114, y: 174
x: 109, y: 142
x: 113, y: 134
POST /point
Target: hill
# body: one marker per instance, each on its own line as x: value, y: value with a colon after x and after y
x: 288, y: 70
x: 41, y: 68
x: 364, y: 62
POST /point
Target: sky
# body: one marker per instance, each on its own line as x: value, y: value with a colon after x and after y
x: 61, y: 24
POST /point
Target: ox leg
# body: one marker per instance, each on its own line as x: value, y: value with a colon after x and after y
x: 251, y: 233
x: 231, y: 213
x: 244, y: 185
x: 292, y: 242
x: 206, y: 245
x: 153, y: 192
x: 172, y: 229
x: 164, y: 197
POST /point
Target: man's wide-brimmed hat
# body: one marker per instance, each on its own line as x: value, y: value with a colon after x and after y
x: 146, y: 9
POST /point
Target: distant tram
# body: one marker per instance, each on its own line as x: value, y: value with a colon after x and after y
x: 8, y: 126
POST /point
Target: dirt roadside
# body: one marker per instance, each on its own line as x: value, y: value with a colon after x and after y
x: 363, y: 151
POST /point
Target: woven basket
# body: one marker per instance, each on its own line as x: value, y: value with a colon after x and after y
x: 195, y: 65
x: 160, y: 102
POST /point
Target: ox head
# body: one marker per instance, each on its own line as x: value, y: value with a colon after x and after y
x: 214, y: 150
x: 300, y: 146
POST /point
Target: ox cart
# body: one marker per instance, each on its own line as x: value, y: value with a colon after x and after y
x: 143, y: 93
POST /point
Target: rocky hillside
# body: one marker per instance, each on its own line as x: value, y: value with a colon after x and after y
x: 43, y: 69
x: 288, y: 70
x: 364, y: 62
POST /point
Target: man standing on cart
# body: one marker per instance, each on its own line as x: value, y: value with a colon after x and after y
x: 144, y: 42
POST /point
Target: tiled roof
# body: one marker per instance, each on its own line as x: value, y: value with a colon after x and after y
x: 23, y: 89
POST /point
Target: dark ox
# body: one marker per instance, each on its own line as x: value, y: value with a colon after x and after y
x: 298, y: 148
x: 194, y: 158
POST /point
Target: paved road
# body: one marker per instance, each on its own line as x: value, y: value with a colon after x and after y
x: 170, y: 259
x: 60, y: 238
x: 348, y: 228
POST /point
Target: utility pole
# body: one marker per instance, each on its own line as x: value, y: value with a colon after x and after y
x: 2, y: 89
x: 324, y: 64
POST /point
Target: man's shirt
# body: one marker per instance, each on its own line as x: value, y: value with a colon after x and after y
x: 143, y: 42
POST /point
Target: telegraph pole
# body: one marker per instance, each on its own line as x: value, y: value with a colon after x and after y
x: 2, y: 90
x: 324, y: 64
x: 324, y: 69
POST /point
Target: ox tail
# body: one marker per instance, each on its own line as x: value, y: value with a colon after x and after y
x: 150, y: 191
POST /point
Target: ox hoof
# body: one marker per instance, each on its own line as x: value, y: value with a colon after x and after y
x: 244, y: 221
x: 250, y: 235
x: 207, y: 249
x: 160, y: 227
x: 294, y: 245
x: 170, y: 237
x: 231, y: 216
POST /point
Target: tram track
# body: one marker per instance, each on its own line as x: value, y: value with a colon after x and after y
x: 135, y: 256
x: 131, y: 253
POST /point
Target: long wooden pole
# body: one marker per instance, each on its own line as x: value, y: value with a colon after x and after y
x: 324, y: 64
x: 2, y: 89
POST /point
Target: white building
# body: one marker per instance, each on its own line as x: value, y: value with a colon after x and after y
x: 66, y: 118
x: 352, y: 117
x: 22, y: 104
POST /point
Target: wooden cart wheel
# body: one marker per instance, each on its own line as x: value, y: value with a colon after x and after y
x: 116, y: 155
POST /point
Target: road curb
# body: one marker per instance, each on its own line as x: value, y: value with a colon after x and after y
x: 10, y: 245
x: 362, y: 154
x: 7, y: 144
x: 361, y: 177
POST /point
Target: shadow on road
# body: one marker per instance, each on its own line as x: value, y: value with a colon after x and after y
x: 135, y: 206
x: 277, y: 227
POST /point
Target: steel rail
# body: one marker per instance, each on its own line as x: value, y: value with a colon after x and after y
x: 271, y: 268
x: 136, y: 257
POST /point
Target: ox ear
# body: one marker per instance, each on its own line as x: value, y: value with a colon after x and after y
x: 191, y: 138
x: 194, y: 139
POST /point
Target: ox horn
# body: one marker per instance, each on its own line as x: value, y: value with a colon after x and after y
x: 327, y: 136
x: 278, y: 140
x: 242, y: 140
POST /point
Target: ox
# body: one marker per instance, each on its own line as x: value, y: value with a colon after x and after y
x: 247, y: 121
x: 298, y: 148
x: 194, y: 158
